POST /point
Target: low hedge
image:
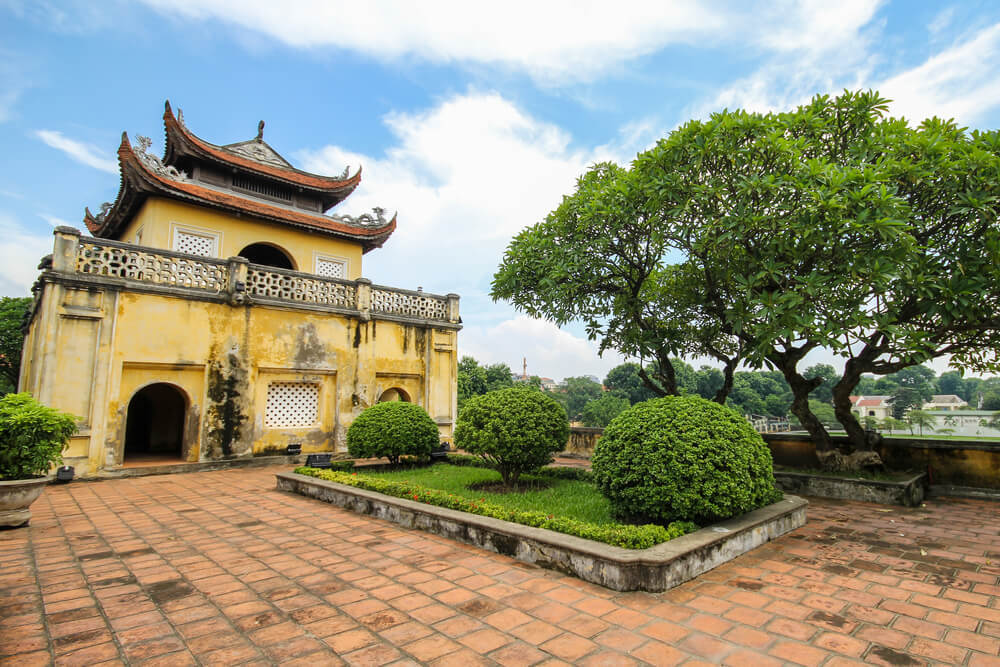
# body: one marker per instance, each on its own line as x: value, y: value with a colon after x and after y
x: 557, y: 472
x: 619, y: 535
x: 392, y: 429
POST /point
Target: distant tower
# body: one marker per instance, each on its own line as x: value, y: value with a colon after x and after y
x: 524, y: 366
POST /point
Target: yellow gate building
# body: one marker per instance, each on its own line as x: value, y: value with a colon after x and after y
x: 218, y: 312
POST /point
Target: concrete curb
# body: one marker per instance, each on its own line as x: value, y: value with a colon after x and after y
x: 908, y: 492
x: 197, y: 466
x: 658, y: 568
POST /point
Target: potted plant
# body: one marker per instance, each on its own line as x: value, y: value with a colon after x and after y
x: 32, y: 439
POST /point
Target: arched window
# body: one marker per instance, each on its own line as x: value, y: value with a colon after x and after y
x: 266, y: 254
x: 394, y: 394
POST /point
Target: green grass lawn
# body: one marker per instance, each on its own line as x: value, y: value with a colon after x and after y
x: 564, y: 497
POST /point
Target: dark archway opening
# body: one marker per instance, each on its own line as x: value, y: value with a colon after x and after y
x: 394, y: 394
x: 154, y: 425
x: 267, y: 255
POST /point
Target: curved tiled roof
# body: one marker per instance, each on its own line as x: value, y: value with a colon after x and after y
x: 181, y: 142
x: 144, y: 175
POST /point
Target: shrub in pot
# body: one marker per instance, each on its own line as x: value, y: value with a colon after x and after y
x: 391, y: 430
x: 515, y: 430
x: 32, y: 439
x: 683, y: 458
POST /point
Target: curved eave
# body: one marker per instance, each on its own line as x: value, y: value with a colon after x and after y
x: 107, y: 227
x: 138, y: 181
x: 181, y: 142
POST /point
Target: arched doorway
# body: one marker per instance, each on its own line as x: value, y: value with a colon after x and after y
x: 154, y: 424
x: 266, y: 254
x: 394, y: 394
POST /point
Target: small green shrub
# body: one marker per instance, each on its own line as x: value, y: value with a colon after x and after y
x: 516, y: 430
x: 32, y: 436
x: 392, y: 429
x: 626, y: 536
x: 683, y: 458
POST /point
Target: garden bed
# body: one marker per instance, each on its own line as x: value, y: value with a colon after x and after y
x: 654, y: 568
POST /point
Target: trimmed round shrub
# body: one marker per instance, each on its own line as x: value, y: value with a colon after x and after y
x: 32, y: 436
x: 392, y: 429
x: 515, y: 430
x: 683, y: 458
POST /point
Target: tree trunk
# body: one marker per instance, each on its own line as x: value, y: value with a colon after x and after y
x: 801, y: 387
x: 727, y: 382
x: 842, y: 408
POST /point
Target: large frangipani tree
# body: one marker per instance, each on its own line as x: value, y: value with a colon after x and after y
x: 758, y: 238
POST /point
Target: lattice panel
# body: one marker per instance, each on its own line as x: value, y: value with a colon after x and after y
x: 424, y: 307
x: 291, y: 405
x: 150, y: 267
x: 261, y: 282
x: 194, y: 244
x: 331, y: 268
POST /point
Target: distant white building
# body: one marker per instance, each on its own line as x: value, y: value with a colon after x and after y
x: 944, y: 402
x: 880, y: 407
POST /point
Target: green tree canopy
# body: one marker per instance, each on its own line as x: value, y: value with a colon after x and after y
x: 13, y: 311
x: 600, y: 411
x: 623, y: 380
x: 757, y: 238
x: 577, y: 393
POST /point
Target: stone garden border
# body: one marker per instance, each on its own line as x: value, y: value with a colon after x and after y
x: 907, y: 492
x: 654, y: 569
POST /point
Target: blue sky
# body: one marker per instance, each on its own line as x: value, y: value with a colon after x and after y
x: 470, y: 120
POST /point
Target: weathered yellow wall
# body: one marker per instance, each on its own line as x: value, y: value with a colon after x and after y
x: 158, y: 217
x: 91, y: 348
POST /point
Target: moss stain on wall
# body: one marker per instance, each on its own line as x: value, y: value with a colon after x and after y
x: 225, y: 415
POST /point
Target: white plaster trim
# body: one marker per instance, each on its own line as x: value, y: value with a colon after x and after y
x: 323, y: 257
x: 177, y: 228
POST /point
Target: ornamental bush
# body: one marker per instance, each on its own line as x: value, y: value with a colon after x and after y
x: 515, y: 430
x: 392, y: 429
x: 683, y: 458
x: 32, y: 436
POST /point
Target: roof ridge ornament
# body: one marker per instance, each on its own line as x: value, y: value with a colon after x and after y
x: 365, y: 219
x: 260, y: 131
x: 154, y: 163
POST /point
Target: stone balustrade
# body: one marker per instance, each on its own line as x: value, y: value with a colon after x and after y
x: 241, y: 281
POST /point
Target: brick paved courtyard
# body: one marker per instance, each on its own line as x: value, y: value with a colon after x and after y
x: 219, y: 568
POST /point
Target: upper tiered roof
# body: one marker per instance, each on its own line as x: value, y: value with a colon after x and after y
x: 248, y: 178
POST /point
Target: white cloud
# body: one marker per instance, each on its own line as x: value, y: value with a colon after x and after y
x: 556, y: 42
x: 464, y: 176
x: 822, y: 47
x: 79, y: 151
x: 550, y: 351
x: 941, y: 21
x: 20, y: 251
x: 961, y: 82
x: 54, y: 221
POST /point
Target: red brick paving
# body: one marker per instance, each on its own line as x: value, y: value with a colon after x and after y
x: 219, y: 568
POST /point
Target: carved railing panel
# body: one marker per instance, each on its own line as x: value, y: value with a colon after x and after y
x: 411, y: 304
x: 161, y: 268
x: 290, y: 286
x: 174, y: 269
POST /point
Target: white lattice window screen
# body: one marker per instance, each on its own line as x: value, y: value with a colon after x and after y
x: 194, y: 244
x: 331, y: 268
x: 291, y: 404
